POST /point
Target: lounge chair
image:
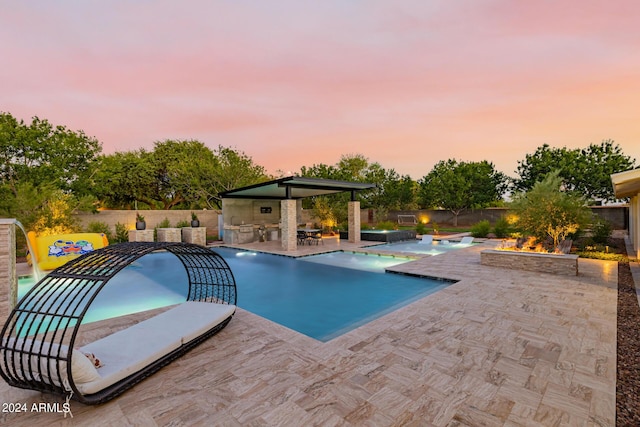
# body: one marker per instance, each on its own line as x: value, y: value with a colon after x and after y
x: 466, y: 240
x: 565, y: 246
x: 427, y: 239
x: 37, y: 336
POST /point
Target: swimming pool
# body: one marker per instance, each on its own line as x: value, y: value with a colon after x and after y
x: 316, y: 299
x: 415, y: 247
x: 319, y: 300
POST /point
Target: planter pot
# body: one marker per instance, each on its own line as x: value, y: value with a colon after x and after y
x: 141, y: 225
x: 195, y: 223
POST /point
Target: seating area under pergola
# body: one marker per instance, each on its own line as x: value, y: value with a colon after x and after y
x: 274, y: 208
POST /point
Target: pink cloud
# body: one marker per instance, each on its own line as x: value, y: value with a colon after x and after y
x: 409, y: 84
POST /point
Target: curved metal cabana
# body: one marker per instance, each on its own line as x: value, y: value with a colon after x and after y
x: 45, y: 323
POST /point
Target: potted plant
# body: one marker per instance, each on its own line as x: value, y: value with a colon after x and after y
x: 140, y: 223
x: 194, y: 220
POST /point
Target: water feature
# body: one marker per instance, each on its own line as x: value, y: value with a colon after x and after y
x: 37, y: 273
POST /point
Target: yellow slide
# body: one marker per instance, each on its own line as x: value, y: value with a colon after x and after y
x: 53, y: 251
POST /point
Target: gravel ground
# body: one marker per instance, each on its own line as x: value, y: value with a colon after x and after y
x: 628, y: 372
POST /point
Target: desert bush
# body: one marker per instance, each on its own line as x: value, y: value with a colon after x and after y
x: 435, y: 227
x: 183, y: 224
x: 165, y: 223
x: 100, y: 227
x: 601, y: 230
x: 606, y: 256
x: 122, y: 234
x: 387, y: 225
x: 481, y: 228
x: 546, y: 211
x: 421, y: 228
x: 502, y: 228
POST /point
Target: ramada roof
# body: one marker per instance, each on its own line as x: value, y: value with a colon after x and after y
x: 295, y: 187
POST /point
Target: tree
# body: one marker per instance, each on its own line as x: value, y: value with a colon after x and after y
x: 122, y: 179
x: 586, y: 171
x: 392, y: 191
x: 234, y: 169
x: 458, y: 186
x: 41, y: 153
x: 175, y: 173
x: 547, y: 211
x: 171, y: 161
x: 217, y: 171
x: 45, y: 173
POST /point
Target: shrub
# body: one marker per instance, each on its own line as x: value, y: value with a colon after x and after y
x: 435, y: 227
x: 183, y: 223
x: 502, y: 228
x: 55, y: 215
x: 606, y: 256
x: 387, y: 225
x: 122, y: 234
x: 165, y: 223
x: 601, y: 230
x: 421, y: 228
x: 100, y: 227
x: 546, y: 211
x: 365, y: 226
x: 481, y: 229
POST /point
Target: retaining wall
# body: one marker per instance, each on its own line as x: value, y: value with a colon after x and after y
x: 564, y: 264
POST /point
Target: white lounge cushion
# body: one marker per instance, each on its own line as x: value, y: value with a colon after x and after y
x: 427, y: 239
x: 129, y: 350
x: 466, y: 240
x: 82, y: 369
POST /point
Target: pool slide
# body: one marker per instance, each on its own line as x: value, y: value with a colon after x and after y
x: 50, y: 252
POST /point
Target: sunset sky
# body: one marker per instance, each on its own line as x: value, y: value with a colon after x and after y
x: 293, y: 83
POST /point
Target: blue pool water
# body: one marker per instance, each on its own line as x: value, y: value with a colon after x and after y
x: 414, y: 247
x: 308, y: 295
x: 318, y: 300
x: 153, y: 281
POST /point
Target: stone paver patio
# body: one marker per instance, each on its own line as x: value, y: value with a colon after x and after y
x: 498, y: 348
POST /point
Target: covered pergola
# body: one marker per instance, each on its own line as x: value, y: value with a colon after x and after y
x: 276, y: 205
x: 627, y: 184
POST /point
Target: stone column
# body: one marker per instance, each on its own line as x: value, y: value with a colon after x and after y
x: 354, y: 222
x: 141, y: 235
x: 288, y: 215
x: 196, y: 235
x: 8, y: 275
x: 169, y: 235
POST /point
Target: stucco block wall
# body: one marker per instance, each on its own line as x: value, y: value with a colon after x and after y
x: 616, y: 215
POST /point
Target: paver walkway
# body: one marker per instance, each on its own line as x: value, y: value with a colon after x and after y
x: 498, y: 348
